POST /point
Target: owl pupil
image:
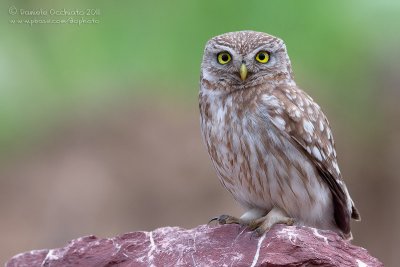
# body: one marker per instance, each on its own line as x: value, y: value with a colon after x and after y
x: 261, y: 56
x: 224, y: 57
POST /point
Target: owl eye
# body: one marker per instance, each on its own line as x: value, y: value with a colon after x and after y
x: 262, y: 57
x: 223, y: 58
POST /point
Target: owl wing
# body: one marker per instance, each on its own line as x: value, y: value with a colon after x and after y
x: 304, y: 124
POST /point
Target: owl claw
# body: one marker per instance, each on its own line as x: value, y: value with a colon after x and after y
x: 225, y: 219
x: 212, y: 220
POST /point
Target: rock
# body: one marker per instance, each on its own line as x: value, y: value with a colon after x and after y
x: 227, y: 245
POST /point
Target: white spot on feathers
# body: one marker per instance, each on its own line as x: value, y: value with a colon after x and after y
x: 294, y: 113
x: 289, y: 96
x: 279, y: 122
x: 308, y: 127
x: 300, y: 102
x: 328, y: 133
x: 316, y: 153
x: 271, y: 100
x: 321, y: 125
x: 329, y: 148
x: 335, y: 165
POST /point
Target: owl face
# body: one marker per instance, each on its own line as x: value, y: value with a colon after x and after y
x: 245, y: 58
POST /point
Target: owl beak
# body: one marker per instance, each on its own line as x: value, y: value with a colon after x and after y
x: 243, y: 72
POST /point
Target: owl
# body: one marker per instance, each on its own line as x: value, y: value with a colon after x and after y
x: 270, y: 143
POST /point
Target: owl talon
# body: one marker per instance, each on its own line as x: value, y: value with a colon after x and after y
x: 226, y: 219
x: 264, y: 224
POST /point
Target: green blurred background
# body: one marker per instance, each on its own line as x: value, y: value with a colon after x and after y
x: 99, y: 125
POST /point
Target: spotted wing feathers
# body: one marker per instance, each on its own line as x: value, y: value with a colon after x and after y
x: 302, y: 120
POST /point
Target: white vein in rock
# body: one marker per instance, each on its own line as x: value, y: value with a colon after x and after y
x: 317, y: 234
x: 152, y: 248
x: 361, y: 263
x: 257, y: 255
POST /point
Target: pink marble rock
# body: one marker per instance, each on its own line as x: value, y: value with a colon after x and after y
x: 227, y: 245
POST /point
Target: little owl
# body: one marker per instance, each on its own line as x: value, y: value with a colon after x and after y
x: 269, y: 142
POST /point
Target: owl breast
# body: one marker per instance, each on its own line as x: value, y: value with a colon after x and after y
x: 257, y: 165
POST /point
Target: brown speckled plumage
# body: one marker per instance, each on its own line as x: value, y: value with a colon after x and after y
x: 269, y: 142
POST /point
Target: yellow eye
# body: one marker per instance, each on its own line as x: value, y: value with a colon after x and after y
x: 262, y: 57
x: 223, y: 58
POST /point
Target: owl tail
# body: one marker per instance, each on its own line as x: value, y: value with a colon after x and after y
x: 354, y: 213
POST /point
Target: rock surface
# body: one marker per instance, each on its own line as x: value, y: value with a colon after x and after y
x: 227, y: 245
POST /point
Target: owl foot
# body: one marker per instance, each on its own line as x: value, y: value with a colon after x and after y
x: 263, y: 224
x: 226, y: 219
x: 244, y: 220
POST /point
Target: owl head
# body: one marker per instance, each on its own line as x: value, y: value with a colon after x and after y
x: 246, y: 58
